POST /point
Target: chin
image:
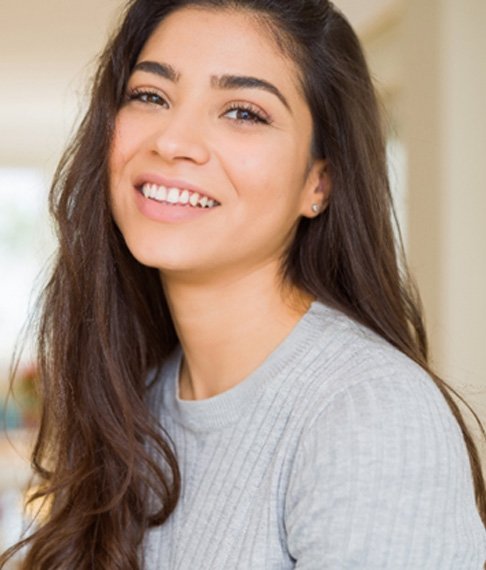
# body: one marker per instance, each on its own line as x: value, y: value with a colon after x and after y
x: 166, y: 260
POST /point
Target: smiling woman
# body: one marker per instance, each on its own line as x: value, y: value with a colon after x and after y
x: 238, y: 143
x: 234, y: 367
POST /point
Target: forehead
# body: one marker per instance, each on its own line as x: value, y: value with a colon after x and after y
x: 218, y: 41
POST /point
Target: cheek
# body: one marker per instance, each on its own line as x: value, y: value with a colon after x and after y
x: 117, y: 156
x: 271, y: 171
x: 253, y: 156
x: 126, y: 139
x: 121, y: 151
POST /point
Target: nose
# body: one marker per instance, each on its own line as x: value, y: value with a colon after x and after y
x: 181, y: 137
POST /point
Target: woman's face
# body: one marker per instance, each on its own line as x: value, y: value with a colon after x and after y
x: 210, y: 165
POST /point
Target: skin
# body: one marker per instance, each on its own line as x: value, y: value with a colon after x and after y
x: 220, y: 272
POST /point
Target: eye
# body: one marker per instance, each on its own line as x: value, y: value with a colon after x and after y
x: 146, y: 96
x: 246, y: 113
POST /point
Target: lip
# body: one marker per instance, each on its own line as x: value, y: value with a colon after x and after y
x: 153, y: 178
x: 169, y: 213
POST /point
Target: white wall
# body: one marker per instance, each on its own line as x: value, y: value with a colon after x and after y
x: 430, y: 64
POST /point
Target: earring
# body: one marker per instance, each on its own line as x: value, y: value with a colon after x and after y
x: 316, y: 208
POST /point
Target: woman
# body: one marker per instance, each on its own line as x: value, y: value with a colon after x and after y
x: 234, y: 368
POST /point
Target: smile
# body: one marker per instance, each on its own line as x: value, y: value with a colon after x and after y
x: 177, y: 196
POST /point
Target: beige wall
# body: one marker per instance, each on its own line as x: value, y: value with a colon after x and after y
x: 430, y: 62
x: 463, y: 179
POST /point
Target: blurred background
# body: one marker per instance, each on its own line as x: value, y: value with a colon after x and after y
x: 428, y: 59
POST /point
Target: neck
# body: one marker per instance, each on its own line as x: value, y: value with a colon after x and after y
x: 227, y: 328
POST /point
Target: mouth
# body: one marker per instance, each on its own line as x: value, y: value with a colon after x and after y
x: 176, y: 196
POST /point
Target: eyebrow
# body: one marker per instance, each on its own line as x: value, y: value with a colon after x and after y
x: 246, y: 82
x: 161, y: 69
x: 219, y: 82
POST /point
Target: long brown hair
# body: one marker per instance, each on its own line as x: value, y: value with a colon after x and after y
x: 107, y: 468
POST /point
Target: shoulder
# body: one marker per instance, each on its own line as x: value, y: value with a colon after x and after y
x: 359, y: 385
x: 371, y: 411
x: 350, y: 363
x: 380, y: 476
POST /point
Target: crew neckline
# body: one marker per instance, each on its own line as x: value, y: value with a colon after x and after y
x: 225, y: 408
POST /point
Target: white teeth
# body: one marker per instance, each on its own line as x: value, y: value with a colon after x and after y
x: 161, y: 193
x: 177, y: 196
x: 173, y: 195
x: 184, y: 197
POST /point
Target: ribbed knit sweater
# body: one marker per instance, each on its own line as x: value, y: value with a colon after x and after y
x: 337, y: 453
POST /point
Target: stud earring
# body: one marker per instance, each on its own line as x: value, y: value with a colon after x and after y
x: 316, y: 208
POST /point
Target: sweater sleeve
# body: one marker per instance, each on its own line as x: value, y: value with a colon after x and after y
x: 381, y: 480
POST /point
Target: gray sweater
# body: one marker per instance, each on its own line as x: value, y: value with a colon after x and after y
x: 337, y: 453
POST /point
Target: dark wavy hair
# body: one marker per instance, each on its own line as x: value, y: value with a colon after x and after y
x: 108, y: 470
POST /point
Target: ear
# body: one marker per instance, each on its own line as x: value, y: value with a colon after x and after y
x: 317, y: 189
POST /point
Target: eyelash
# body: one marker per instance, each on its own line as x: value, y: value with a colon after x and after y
x: 256, y: 116
x: 142, y: 95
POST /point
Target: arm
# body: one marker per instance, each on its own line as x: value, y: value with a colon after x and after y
x: 381, y: 480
